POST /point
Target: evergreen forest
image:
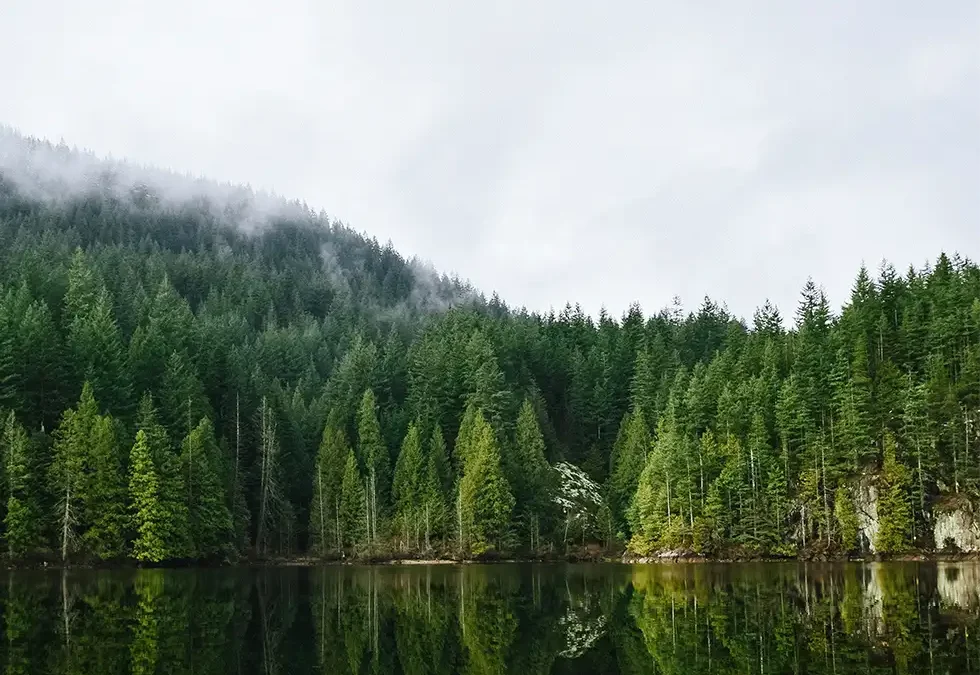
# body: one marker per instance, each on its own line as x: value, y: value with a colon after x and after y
x: 178, y: 386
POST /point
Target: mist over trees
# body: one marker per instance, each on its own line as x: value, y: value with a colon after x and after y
x: 176, y: 387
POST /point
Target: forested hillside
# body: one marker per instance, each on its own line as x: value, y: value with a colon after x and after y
x: 204, y: 378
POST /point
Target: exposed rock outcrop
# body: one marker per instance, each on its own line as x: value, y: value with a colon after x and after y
x: 866, y: 505
x: 956, y: 527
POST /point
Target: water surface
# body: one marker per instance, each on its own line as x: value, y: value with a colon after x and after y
x: 527, y: 619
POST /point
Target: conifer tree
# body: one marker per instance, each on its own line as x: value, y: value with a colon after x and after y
x: 169, y: 488
x: 374, y: 456
x: 630, y: 460
x: 434, y: 507
x: 42, y: 364
x: 533, y: 488
x: 149, y: 513
x: 325, y: 529
x: 183, y: 402
x: 11, y: 372
x: 894, y: 503
x: 208, y: 517
x: 645, y: 385
x: 72, y: 439
x: 272, y: 505
x: 408, y: 486
x: 96, y: 351
x: 353, y: 505
x: 461, y: 448
x: 22, y: 522
x: 847, y: 519
x: 485, y: 497
x: 104, y: 492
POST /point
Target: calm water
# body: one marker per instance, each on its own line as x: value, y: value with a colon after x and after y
x: 527, y: 619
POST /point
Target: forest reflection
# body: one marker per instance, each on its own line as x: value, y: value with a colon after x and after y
x: 528, y: 619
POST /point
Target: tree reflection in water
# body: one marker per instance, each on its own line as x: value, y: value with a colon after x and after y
x: 486, y: 619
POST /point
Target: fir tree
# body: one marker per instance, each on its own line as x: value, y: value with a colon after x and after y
x: 208, y: 518
x: 374, y: 457
x: 22, y: 521
x: 149, y: 515
x: 894, y: 507
x: 104, y: 493
x: 630, y: 459
x: 533, y: 488
x: 485, y: 497
x: 169, y: 496
x: 326, y: 533
x: 353, y: 505
x: 408, y: 486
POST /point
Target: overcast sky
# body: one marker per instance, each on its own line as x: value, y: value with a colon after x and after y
x: 553, y: 151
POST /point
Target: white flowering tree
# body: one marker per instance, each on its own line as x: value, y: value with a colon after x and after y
x: 580, y: 499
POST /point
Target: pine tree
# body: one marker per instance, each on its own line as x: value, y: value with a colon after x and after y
x: 630, y: 460
x: 182, y: 398
x: 96, y: 352
x: 485, y: 497
x: 374, y: 456
x: 13, y: 306
x: 847, y: 520
x: 645, y: 385
x: 149, y: 516
x: 71, y: 443
x: 353, y: 505
x: 461, y: 448
x: 104, y: 493
x: 326, y: 533
x: 919, y: 445
x: 272, y: 504
x: 170, y: 517
x: 208, y: 517
x: 23, y: 518
x: 894, y: 503
x: 533, y: 489
x: 41, y: 362
x: 408, y: 486
x: 435, y: 488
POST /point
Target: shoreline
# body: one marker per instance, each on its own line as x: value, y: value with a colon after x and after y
x: 664, y: 559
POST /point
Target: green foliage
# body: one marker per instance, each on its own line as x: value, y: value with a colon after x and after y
x: 353, y: 505
x: 847, y: 519
x: 372, y: 452
x: 22, y: 522
x: 209, y: 523
x: 157, y: 492
x: 533, y: 487
x: 301, y: 325
x: 629, y: 460
x: 894, y: 503
x: 408, y: 487
x: 328, y: 475
x: 486, y: 501
x: 104, y: 490
x: 149, y: 517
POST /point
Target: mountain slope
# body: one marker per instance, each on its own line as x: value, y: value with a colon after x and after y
x: 228, y: 372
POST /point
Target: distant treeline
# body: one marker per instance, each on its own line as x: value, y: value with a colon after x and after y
x: 176, y: 388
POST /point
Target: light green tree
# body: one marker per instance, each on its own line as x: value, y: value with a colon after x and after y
x: 353, y: 505
x: 894, y: 502
x: 485, y: 497
x: 149, y: 518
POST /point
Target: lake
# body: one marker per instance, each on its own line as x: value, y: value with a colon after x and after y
x: 507, y: 618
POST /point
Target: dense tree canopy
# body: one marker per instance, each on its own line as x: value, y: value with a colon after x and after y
x: 175, y: 385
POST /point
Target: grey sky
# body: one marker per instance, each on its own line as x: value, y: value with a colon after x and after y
x: 566, y: 151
